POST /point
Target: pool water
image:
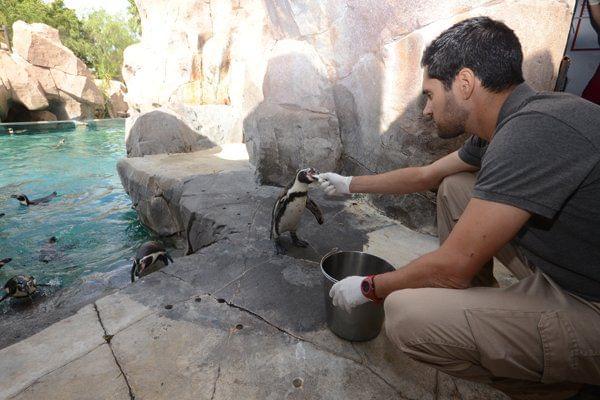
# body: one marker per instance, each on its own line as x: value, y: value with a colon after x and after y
x: 91, y: 218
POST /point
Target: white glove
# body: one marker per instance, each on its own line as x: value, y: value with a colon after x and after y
x: 347, y: 293
x: 334, y: 184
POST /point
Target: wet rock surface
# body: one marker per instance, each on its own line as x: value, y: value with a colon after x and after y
x: 231, y: 320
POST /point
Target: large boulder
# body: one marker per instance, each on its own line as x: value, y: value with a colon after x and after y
x: 296, y: 125
x: 43, y: 75
x: 162, y: 132
x: 40, y: 45
x: 80, y: 87
x: 22, y: 87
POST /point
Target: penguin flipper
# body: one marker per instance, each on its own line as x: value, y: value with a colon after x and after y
x: 275, y: 215
x: 315, y: 210
x: 133, y: 272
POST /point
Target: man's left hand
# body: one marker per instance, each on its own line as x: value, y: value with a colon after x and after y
x: 347, y: 293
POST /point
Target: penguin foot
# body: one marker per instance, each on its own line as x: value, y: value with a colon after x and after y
x: 299, y: 242
x: 279, y: 249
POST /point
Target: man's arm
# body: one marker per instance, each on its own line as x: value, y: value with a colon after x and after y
x: 413, y: 179
x: 483, y: 229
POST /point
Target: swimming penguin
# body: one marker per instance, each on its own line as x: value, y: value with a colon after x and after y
x: 5, y: 261
x: 26, y: 202
x: 19, y: 286
x: 289, y: 208
x: 60, y: 143
x: 48, y: 252
x: 150, y: 257
x: 2, y: 215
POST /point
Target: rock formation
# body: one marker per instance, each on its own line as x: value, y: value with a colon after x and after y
x: 325, y: 83
x: 114, y: 92
x: 43, y: 75
x: 160, y: 132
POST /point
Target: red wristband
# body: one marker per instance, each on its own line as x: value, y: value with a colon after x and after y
x: 367, y: 288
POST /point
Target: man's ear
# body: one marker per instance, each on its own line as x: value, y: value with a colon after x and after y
x: 465, y: 81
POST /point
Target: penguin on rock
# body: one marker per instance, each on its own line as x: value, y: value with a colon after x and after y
x: 289, y: 208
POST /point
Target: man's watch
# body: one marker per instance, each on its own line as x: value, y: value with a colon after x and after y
x: 367, y: 288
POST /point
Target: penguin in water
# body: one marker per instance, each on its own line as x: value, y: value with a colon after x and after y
x: 5, y: 261
x: 289, y: 208
x: 150, y: 257
x: 60, y: 143
x: 26, y: 202
x: 19, y: 286
x: 48, y: 252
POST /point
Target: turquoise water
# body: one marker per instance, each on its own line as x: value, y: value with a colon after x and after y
x: 96, y: 229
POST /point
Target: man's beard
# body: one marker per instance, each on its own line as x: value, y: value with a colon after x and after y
x: 453, y: 120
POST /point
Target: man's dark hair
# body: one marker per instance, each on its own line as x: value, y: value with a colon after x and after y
x: 489, y: 48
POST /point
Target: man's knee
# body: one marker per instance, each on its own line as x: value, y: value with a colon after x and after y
x: 404, y: 316
x: 427, y: 315
x: 458, y: 185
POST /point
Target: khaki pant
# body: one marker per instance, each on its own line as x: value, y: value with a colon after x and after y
x: 528, y: 337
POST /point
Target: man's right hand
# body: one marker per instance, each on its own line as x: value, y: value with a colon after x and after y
x: 334, y: 184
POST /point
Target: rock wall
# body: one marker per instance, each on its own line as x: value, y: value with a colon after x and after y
x: 43, y: 80
x: 328, y: 83
x: 114, y: 94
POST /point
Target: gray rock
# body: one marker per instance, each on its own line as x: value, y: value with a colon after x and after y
x: 160, y: 132
x: 105, y: 380
x: 25, y: 362
x: 281, y: 140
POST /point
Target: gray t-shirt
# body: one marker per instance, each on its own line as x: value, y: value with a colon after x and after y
x: 544, y: 158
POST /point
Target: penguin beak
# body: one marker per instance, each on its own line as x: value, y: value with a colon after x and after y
x: 311, y: 174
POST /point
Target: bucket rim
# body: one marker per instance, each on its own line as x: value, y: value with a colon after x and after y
x: 336, y: 251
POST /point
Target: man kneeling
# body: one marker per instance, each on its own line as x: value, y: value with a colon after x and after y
x: 534, y: 204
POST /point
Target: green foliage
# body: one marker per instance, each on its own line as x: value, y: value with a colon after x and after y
x: 99, y: 39
x: 135, y: 24
x: 110, y: 36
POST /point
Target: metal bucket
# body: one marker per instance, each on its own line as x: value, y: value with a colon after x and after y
x: 363, y: 322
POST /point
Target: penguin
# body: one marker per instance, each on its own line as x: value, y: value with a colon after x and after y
x: 2, y: 215
x: 60, y: 143
x: 289, y: 207
x: 48, y: 252
x: 5, y: 261
x: 19, y: 286
x: 150, y: 257
x: 26, y: 202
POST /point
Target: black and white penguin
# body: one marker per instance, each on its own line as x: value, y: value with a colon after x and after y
x: 5, y: 261
x: 150, y: 257
x: 289, y: 208
x: 26, y: 202
x: 19, y: 286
